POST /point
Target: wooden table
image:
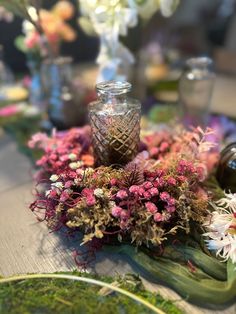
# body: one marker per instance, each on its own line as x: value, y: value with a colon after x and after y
x: 26, y: 246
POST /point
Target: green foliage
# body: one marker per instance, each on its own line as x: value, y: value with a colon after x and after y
x: 66, y: 296
x: 201, y: 279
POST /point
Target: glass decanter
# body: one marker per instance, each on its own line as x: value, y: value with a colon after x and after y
x: 115, y: 124
x: 195, y: 91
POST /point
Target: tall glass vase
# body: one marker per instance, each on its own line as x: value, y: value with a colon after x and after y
x: 195, y: 91
x: 63, y: 100
x: 36, y: 94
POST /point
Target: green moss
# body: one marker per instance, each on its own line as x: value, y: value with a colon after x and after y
x: 44, y: 296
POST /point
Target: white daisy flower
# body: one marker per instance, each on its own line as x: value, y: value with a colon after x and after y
x: 222, y: 228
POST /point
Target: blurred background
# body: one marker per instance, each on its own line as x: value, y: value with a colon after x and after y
x: 196, y: 28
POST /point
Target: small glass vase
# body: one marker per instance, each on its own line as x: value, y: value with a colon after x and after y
x: 115, y: 124
x: 64, y: 103
x: 195, y: 91
x: 36, y: 93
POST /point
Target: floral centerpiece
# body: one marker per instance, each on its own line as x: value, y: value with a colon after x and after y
x: 165, y: 202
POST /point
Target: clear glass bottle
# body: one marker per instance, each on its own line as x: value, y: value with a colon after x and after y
x: 115, y: 124
x: 64, y: 103
x: 36, y: 92
x: 195, y: 91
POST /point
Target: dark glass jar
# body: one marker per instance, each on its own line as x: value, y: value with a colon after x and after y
x: 226, y: 173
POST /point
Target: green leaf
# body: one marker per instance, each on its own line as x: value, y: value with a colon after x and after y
x: 20, y: 44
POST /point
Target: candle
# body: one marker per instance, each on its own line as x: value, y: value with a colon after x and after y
x: 115, y: 124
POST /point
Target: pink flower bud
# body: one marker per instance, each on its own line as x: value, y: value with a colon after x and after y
x: 147, y: 195
x: 171, y: 181
x: 122, y: 194
x: 171, y: 201
x: 158, y: 217
x: 170, y: 209
x: 147, y: 185
x: 113, y: 182
x: 116, y: 211
x: 165, y: 196
x: 153, y: 191
x: 90, y: 200
x: 151, y: 207
x: 134, y: 189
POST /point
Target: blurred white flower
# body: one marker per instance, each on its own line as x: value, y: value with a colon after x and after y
x: 222, y: 228
x: 27, y: 27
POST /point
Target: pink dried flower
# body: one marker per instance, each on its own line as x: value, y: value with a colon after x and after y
x: 170, y: 209
x: 90, y: 200
x: 151, y: 207
x: 147, y: 195
x: 182, y: 179
x: 164, y: 146
x: 53, y: 193
x: 36, y: 139
x: 159, y: 183
x: 172, y: 181
x: 158, y: 217
x: 122, y: 194
x: 147, y: 185
x: 171, y: 201
x: 68, y: 184
x: 134, y: 189
x: 113, y: 182
x: 141, y: 191
x: 116, y: 211
x: 64, y: 196
x: 165, y: 196
x: 160, y: 172
x: 87, y: 192
x: 53, y: 156
x: 201, y: 173
x: 153, y: 191
x: 41, y: 161
x: 154, y: 151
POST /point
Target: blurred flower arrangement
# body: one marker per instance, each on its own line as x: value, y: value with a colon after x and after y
x: 111, y: 19
x: 52, y: 26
